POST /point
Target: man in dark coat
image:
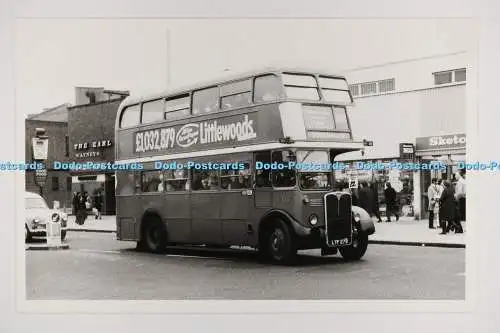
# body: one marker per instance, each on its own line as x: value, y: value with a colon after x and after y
x: 375, y: 210
x: 364, y: 197
x: 390, y: 202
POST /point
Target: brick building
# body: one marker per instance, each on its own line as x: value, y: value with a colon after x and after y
x: 58, y: 183
x: 91, y: 139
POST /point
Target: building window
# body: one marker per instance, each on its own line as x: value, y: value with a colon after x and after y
x: 443, y: 77
x: 460, y: 75
x: 55, y: 183
x: 386, y: 85
x: 368, y: 88
x: 206, y: 100
x: 354, y: 88
x: 177, y: 107
x: 152, y: 111
x: 66, y: 146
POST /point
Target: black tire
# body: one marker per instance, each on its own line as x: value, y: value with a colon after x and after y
x: 356, y: 250
x: 63, y: 235
x: 278, y: 244
x: 154, y: 236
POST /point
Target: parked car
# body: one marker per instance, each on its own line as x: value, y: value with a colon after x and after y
x: 37, y: 214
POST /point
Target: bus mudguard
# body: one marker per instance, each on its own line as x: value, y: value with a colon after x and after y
x: 365, y: 222
x: 299, y: 229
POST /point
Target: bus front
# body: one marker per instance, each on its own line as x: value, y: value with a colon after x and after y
x: 316, y: 125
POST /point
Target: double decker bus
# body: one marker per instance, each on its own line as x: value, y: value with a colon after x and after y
x: 224, y: 164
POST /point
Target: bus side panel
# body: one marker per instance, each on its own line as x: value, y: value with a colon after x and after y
x: 127, y: 218
x: 177, y: 212
x: 206, y: 225
x: 234, y: 213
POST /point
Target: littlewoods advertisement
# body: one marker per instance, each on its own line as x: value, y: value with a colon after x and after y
x: 241, y: 128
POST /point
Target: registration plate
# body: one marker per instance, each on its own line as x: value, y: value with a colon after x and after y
x: 340, y: 242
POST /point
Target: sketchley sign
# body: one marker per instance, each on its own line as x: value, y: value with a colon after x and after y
x: 229, y: 130
x: 453, y: 141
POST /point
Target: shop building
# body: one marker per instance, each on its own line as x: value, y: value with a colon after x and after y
x: 91, y: 125
x: 421, y: 102
x: 54, y: 126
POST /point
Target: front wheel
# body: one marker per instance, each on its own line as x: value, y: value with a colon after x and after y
x: 279, y: 244
x: 357, y: 249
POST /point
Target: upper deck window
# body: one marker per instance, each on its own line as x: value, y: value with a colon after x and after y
x: 236, y: 94
x: 152, y: 111
x: 177, y: 107
x: 266, y: 88
x: 130, y: 116
x: 341, y: 122
x: 335, y: 90
x: 206, y: 100
x: 301, y: 86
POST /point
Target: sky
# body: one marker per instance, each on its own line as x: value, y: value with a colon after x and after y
x: 55, y: 55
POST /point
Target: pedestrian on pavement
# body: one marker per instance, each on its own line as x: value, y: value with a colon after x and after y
x: 75, y: 202
x: 80, y: 209
x: 460, y: 194
x: 390, y: 202
x: 447, y: 211
x: 375, y: 209
x: 98, y: 205
x: 431, y: 196
x: 364, y: 197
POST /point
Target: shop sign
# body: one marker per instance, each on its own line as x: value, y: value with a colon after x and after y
x: 406, y: 151
x: 441, y: 142
x: 92, y: 144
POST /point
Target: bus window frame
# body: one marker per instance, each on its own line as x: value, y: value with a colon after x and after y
x: 317, y: 87
x: 122, y: 112
x: 189, y: 95
x: 272, y: 171
x: 188, y: 181
x: 203, y: 113
x: 141, y: 178
x: 141, y: 122
x: 282, y: 93
x: 251, y: 174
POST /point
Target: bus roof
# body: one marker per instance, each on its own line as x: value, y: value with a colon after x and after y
x: 226, y: 79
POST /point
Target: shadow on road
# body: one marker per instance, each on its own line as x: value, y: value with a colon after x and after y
x: 242, y: 256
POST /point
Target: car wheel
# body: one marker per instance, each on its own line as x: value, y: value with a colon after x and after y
x: 357, y: 249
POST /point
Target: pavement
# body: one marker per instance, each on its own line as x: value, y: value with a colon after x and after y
x: 406, y: 231
x: 97, y: 267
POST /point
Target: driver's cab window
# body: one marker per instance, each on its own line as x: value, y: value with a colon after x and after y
x: 286, y: 177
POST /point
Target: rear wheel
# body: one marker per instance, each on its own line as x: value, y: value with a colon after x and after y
x: 278, y: 244
x: 154, y: 236
x: 357, y: 249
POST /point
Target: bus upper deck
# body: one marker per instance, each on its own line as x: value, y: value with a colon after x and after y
x: 269, y: 108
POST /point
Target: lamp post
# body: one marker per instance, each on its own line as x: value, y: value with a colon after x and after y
x: 40, y: 151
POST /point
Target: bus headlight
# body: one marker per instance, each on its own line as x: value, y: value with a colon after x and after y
x: 313, y: 219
